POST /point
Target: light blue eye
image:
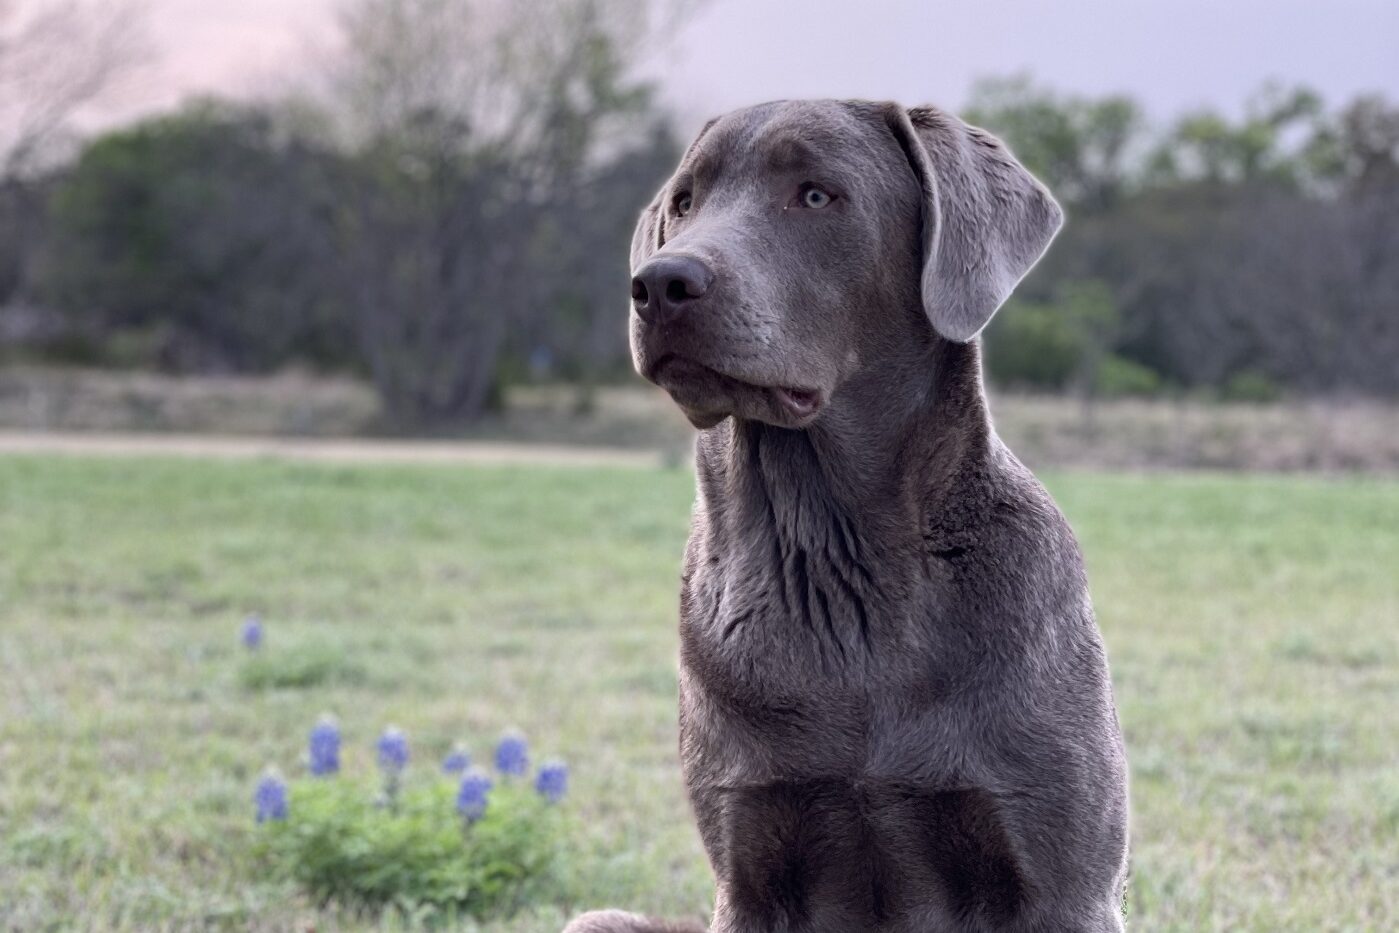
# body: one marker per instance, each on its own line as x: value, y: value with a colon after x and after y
x: 683, y: 203
x: 815, y: 198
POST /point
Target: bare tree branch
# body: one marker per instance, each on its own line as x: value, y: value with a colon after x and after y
x: 57, y: 57
x: 473, y: 124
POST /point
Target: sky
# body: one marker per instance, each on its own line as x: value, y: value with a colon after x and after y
x: 1173, y: 55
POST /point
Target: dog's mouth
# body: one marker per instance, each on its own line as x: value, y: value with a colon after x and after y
x: 800, y: 402
x: 708, y: 396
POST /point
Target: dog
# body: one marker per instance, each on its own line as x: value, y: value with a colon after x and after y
x: 895, y: 708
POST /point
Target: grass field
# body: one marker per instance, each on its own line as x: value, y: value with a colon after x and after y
x: 1253, y: 625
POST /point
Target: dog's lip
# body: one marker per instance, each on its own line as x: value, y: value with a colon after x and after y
x: 800, y: 402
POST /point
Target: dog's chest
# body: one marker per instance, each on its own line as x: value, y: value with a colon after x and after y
x: 858, y: 855
x: 790, y: 614
x: 794, y: 626
x: 790, y: 713
x: 793, y: 663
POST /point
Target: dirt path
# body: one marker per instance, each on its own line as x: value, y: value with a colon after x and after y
x: 319, y: 450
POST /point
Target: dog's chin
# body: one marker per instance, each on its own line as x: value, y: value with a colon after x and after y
x: 707, y: 396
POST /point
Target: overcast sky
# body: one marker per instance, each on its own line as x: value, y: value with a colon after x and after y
x: 1172, y: 54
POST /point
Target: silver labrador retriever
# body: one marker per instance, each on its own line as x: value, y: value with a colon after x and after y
x: 895, y: 711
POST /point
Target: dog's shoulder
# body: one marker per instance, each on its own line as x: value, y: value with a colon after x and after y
x: 995, y: 501
x: 999, y: 540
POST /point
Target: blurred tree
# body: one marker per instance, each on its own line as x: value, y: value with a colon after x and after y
x: 56, y: 57
x: 417, y: 229
x: 1081, y: 148
x: 457, y: 210
x: 478, y: 130
x: 1056, y: 345
x: 1262, y: 247
x: 1359, y: 147
x: 1263, y: 146
x: 203, y: 232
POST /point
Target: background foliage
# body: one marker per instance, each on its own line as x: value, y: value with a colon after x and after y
x: 342, y: 847
x: 447, y: 213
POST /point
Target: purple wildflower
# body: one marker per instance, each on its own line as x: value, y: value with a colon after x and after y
x: 252, y: 633
x: 393, y: 750
x: 473, y: 794
x: 271, y: 797
x: 324, y: 747
x: 552, y: 781
x: 457, y: 760
x: 512, y: 754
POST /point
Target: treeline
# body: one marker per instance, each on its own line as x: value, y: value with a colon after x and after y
x: 214, y: 241
x: 449, y: 212
x: 448, y: 207
x: 1242, y: 257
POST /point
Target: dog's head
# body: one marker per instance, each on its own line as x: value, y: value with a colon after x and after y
x: 801, y: 242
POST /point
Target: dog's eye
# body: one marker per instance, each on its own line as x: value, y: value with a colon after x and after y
x: 814, y: 198
x: 683, y: 203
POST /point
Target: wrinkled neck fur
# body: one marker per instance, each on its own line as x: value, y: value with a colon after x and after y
x: 859, y: 479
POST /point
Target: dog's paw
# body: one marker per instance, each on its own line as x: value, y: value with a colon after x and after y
x: 609, y: 921
x: 620, y: 921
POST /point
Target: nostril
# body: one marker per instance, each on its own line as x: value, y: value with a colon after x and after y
x: 666, y: 285
x: 677, y: 290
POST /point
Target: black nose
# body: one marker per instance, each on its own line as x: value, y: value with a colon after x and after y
x: 667, y: 285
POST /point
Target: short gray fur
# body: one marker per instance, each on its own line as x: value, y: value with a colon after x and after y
x: 895, y: 709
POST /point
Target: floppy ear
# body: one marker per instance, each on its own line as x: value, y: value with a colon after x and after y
x: 649, y: 234
x: 986, y: 220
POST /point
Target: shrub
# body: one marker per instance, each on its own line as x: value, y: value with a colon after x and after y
x: 341, y: 844
x: 1030, y: 345
x: 1119, y: 377
x: 1250, y: 386
x: 1053, y: 345
x: 451, y: 847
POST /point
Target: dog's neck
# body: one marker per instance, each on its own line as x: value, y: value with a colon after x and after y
x: 871, y: 464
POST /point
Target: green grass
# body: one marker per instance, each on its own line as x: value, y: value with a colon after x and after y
x: 1253, y: 625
